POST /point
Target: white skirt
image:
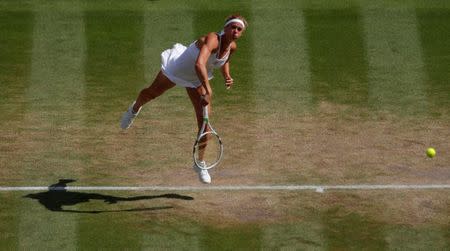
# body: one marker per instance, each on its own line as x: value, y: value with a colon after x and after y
x: 178, y: 65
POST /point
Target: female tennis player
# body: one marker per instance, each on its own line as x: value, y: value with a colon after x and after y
x: 192, y: 67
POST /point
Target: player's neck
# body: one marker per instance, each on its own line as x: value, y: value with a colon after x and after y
x: 225, y: 41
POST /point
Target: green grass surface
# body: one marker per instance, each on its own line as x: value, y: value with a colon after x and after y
x: 326, y: 92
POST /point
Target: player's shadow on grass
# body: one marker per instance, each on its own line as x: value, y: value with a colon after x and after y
x: 57, y: 196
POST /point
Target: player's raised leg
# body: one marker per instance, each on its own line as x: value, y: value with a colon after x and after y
x: 158, y: 87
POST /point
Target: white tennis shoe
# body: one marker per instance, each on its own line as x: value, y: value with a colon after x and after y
x: 203, y: 174
x: 128, y: 117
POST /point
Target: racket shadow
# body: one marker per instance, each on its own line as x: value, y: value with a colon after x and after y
x: 58, y: 197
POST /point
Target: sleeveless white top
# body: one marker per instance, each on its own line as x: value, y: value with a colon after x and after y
x: 178, y: 64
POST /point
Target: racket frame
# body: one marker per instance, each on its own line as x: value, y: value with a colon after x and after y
x: 202, y: 133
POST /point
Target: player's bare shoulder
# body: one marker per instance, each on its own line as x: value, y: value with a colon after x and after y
x: 209, y: 39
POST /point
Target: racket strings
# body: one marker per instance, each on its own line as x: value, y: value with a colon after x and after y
x: 208, y: 150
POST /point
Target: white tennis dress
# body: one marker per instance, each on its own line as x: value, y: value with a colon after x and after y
x: 178, y: 64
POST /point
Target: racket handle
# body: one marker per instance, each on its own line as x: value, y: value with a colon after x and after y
x: 205, y: 113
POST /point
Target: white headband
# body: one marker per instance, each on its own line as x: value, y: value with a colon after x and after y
x: 234, y: 20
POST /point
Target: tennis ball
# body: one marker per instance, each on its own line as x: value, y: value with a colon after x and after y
x: 431, y: 152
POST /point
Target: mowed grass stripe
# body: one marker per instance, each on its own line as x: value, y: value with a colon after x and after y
x: 114, y: 65
x: 281, y: 58
x: 396, y: 68
x: 54, y: 112
x: 114, y: 69
x: 16, y: 42
x: 283, y: 91
x: 434, y: 27
x: 161, y: 34
x: 15, y: 62
x: 337, y: 54
x: 408, y: 239
x: 281, y: 67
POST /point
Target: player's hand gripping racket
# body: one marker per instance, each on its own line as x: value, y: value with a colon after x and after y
x: 208, y: 148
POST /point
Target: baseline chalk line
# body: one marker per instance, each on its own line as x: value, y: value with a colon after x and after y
x: 318, y: 188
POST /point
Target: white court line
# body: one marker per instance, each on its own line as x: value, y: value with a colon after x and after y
x: 231, y: 188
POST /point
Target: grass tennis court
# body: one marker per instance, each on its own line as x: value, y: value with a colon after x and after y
x: 326, y: 93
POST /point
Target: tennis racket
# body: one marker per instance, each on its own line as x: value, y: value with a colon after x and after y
x: 208, y: 147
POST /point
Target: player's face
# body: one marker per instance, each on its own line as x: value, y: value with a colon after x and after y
x: 235, y: 30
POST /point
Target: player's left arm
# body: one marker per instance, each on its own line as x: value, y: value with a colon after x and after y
x: 225, y: 69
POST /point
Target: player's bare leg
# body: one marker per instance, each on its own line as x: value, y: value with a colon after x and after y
x: 160, y: 85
